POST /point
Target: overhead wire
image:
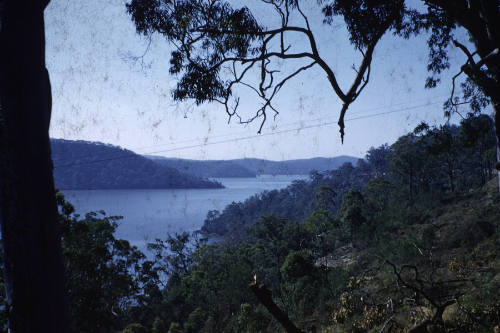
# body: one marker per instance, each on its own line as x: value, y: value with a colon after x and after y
x: 136, y: 149
x: 297, y: 129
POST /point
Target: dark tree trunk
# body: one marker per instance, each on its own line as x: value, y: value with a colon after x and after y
x: 496, y: 111
x: 265, y: 298
x: 34, y: 272
x: 451, y: 176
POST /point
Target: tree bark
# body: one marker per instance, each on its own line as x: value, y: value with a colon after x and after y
x: 264, y: 296
x: 33, y: 263
x: 496, y: 115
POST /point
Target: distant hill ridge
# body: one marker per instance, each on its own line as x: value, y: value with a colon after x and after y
x: 206, y: 169
x: 295, y: 167
x: 251, y: 167
x: 95, y: 165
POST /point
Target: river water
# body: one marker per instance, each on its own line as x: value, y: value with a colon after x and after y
x: 151, y: 214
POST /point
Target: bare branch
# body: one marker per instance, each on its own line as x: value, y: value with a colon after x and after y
x: 280, y: 85
x: 473, y: 70
x: 265, y: 298
x: 140, y: 58
x: 385, y: 324
x: 262, y: 54
x: 453, y: 85
x: 303, y: 16
x: 464, y: 50
x: 410, y: 286
x: 315, y: 54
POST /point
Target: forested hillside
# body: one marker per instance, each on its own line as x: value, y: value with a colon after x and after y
x: 91, y: 165
x: 427, y: 161
x: 206, y: 169
x: 296, y: 202
x: 405, y: 241
x: 294, y: 167
x: 251, y: 167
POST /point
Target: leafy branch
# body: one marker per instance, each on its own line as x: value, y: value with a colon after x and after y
x: 212, y: 39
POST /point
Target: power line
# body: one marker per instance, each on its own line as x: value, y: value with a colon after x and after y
x: 136, y: 149
x: 286, y: 124
x: 253, y: 136
x: 288, y: 130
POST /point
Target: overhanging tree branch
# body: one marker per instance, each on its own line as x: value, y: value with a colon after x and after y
x: 211, y: 34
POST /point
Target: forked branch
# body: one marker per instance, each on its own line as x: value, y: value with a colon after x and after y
x: 267, y: 45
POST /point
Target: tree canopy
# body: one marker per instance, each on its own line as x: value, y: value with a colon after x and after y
x: 424, y: 163
x: 217, y: 46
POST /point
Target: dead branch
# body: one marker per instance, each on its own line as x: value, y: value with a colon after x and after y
x: 265, y: 298
x: 425, y: 288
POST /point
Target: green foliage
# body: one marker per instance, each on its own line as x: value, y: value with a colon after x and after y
x: 351, y: 213
x: 135, y: 328
x: 296, y: 202
x: 159, y: 326
x: 297, y: 264
x: 253, y: 318
x: 417, y: 172
x: 211, y: 36
x: 193, y: 286
x: 379, y: 194
x: 100, y: 270
x: 195, y: 321
x: 175, y: 328
x: 444, y: 158
x: 480, y: 306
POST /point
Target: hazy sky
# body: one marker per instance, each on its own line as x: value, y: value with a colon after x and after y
x: 104, y: 91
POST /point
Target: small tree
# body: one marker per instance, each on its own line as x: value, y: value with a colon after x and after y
x: 351, y: 212
x: 159, y: 326
x: 477, y: 134
x: 441, y: 143
x: 195, y: 321
x: 135, y: 328
x: 175, y: 328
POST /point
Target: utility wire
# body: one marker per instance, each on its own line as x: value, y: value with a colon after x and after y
x: 298, y: 129
x: 136, y: 149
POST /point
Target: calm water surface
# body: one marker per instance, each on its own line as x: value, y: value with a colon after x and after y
x: 150, y: 214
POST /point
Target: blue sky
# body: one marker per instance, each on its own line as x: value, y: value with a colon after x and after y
x: 103, y: 90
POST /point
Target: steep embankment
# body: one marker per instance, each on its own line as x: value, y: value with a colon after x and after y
x: 440, y: 274
x: 91, y: 165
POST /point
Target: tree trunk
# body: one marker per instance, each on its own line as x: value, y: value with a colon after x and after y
x: 265, y: 298
x: 496, y: 116
x: 34, y: 271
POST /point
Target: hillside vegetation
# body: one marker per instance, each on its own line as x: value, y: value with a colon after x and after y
x: 293, y: 167
x: 421, y: 165
x: 86, y: 165
x: 412, y: 246
x: 251, y: 167
x: 206, y: 169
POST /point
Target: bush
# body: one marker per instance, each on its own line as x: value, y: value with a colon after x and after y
x: 135, y: 328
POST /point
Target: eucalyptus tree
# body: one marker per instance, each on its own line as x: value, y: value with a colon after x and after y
x: 477, y: 135
x: 217, y: 46
x: 442, y: 143
x: 33, y: 265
